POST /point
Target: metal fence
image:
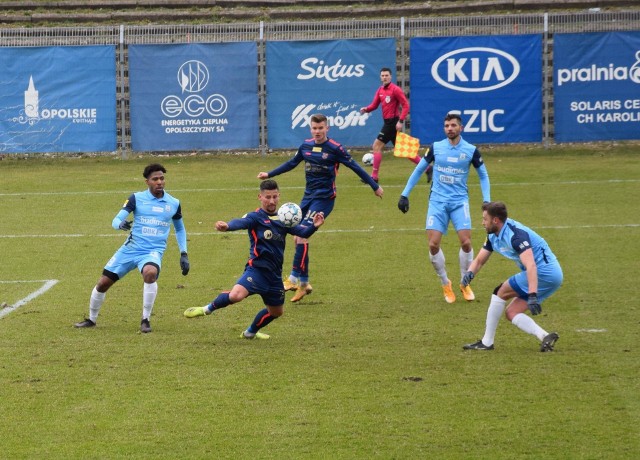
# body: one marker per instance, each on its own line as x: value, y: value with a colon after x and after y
x: 402, y: 29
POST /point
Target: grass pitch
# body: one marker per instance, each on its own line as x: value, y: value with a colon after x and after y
x: 368, y: 366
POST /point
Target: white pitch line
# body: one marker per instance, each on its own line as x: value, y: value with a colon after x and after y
x: 252, y: 189
x: 363, y: 230
x: 48, y: 284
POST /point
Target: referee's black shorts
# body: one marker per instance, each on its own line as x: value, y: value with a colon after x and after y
x: 388, y: 132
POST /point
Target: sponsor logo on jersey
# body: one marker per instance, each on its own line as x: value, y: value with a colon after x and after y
x: 153, y: 221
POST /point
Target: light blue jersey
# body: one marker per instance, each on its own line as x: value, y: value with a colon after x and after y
x: 451, y: 165
x: 152, y: 219
x: 515, y: 238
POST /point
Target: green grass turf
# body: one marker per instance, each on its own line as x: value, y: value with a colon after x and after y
x: 368, y: 366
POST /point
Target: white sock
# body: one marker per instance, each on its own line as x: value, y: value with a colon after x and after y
x: 438, y: 264
x: 95, y: 303
x: 149, y: 293
x: 293, y: 279
x: 494, y: 312
x: 465, y: 259
x: 528, y: 325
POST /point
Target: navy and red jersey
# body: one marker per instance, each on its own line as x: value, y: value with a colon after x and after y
x: 267, y: 238
x: 390, y: 96
x: 321, y: 163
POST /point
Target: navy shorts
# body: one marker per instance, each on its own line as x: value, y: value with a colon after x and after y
x: 311, y: 206
x: 266, y: 284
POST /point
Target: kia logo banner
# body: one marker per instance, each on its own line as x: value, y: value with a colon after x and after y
x: 493, y: 82
x: 333, y: 77
x: 58, y: 99
x: 194, y: 96
x: 596, y: 85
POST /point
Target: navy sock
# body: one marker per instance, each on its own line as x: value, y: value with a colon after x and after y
x: 301, y: 259
x: 220, y: 302
x: 261, y: 320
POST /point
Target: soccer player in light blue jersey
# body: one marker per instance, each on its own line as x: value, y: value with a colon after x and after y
x: 322, y: 157
x: 449, y: 198
x: 154, y: 210
x: 263, y: 271
x: 540, y: 276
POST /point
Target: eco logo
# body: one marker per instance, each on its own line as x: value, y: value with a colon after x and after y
x: 183, y: 111
x: 32, y: 113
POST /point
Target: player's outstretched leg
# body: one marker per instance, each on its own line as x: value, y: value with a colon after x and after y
x: 221, y: 301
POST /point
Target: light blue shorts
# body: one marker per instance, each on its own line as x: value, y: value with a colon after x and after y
x: 127, y: 258
x: 439, y: 214
x: 549, y: 280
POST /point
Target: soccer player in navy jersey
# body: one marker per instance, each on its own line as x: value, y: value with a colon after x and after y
x: 154, y: 210
x: 449, y: 198
x: 322, y: 157
x: 395, y: 109
x: 540, y: 276
x: 263, y: 271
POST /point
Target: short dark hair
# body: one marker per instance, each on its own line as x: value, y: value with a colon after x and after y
x: 153, y: 167
x: 496, y: 209
x: 268, y: 184
x: 386, y: 69
x: 318, y: 118
x: 453, y: 116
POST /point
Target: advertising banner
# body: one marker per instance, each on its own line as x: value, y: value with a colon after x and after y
x: 494, y: 82
x: 194, y: 96
x: 333, y: 77
x: 596, y: 86
x: 58, y: 99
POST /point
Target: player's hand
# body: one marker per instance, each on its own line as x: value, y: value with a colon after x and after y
x: 533, y: 304
x: 403, y: 204
x: 429, y: 173
x: 363, y: 110
x: 184, y: 263
x: 125, y: 225
x: 379, y: 192
x: 263, y: 175
x: 318, y: 219
x: 466, y: 279
x: 222, y: 226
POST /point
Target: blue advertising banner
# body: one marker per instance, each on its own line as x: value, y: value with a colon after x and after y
x: 58, y: 99
x: 194, y: 96
x: 494, y: 82
x: 596, y: 86
x: 333, y: 77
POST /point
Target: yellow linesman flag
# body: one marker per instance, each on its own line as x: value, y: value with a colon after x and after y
x: 406, y: 146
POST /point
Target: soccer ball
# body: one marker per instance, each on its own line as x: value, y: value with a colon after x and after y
x: 367, y: 159
x: 290, y: 214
